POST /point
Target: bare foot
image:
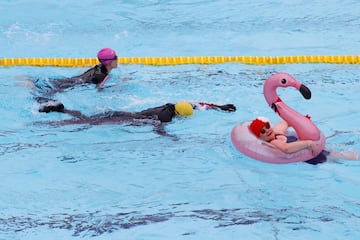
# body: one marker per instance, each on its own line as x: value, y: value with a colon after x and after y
x: 351, y: 155
x: 27, y: 83
x: 52, y: 106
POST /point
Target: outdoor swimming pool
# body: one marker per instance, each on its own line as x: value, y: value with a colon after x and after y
x: 127, y: 182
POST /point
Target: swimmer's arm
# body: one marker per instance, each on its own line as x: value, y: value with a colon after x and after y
x: 76, y: 114
x: 102, y: 83
x: 296, y: 146
x: 160, y: 129
x: 107, y: 86
x: 281, y: 127
x: 205, y: 106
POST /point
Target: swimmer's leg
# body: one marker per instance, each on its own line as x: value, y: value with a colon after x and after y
x: 76, y: 114
x: 27, y: 83
x: 348, y: 155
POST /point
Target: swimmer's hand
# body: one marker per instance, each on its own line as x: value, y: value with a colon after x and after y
x: 102, y: 83
x: 314, y: 148
x: 227, y: 107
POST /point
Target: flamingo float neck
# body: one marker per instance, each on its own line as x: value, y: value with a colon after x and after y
x: 304, y: 127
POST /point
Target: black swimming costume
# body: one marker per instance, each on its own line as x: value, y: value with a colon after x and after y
x: 164, y: 113
x: 321, y: 158
x: 94, y: 75
x: 47, y: 88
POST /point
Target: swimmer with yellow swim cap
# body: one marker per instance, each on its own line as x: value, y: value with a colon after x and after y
x: 155, y: 115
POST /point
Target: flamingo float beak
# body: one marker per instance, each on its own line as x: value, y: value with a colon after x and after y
x: 305, y: 91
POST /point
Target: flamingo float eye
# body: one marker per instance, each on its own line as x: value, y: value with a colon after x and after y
x: 283, y: 81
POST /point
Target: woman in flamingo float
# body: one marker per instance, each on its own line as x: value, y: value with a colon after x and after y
x: 277, y: 144
x: 288, y: 144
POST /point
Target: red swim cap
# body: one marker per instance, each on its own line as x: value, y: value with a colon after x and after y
x: 256, y: 126
x: 106, y: 56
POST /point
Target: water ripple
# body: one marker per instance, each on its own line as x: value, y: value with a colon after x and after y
x: 98, y: 223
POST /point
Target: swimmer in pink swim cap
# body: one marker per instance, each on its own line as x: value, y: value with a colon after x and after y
x: 107, y: 57
x: 98, y: 75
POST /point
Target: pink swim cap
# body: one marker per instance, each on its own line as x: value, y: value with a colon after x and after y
x: 106, y: 56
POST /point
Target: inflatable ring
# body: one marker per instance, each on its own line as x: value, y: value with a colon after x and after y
x: 248, y: 144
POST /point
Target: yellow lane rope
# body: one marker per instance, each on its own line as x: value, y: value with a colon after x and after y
x: 257, y: 60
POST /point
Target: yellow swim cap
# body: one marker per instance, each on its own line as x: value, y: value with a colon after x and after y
x: 184, y: 109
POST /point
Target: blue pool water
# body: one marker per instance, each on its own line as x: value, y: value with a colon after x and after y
x: 127, y: 182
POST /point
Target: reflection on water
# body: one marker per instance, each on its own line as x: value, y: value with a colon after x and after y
x: 98, y: 223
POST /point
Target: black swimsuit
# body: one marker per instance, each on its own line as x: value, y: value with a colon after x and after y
x: 164, y: 113
x: 46, y: 89
x: 321, y: 158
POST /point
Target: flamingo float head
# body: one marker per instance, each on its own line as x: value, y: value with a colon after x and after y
x: 282, y: 80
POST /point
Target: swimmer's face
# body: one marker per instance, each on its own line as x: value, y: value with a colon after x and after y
x: 267, y: 134
x: 114, y: 63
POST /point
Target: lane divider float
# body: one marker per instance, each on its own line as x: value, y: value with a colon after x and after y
x: 180, y: 60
